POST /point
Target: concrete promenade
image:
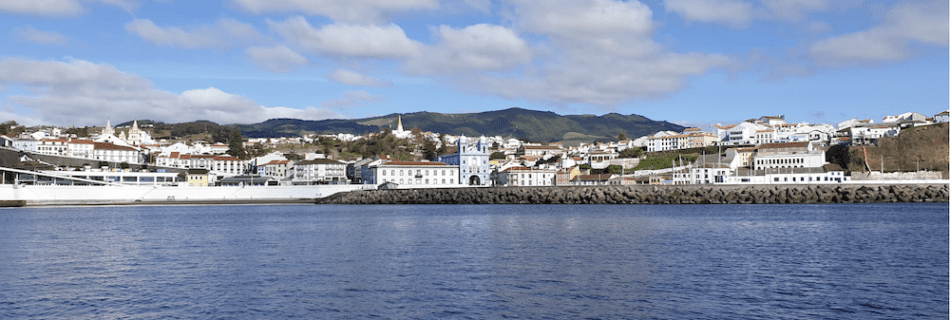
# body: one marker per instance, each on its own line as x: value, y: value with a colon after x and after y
x: 31, y: 195
x: 643, y: 194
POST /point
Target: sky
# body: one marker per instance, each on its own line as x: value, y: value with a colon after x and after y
x: 690, y: 62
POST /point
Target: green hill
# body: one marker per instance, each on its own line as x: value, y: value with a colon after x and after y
x: 515, y: 122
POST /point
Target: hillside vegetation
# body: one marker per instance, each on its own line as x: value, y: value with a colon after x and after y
x: 928, y: 146
x: 538, y: 126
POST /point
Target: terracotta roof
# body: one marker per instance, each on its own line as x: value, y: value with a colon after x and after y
x: 692, y: 129
x: 783, y: 145
x: 593, y: 177
x: 109, y: 146
x: 79, y: 141
x: 541, y: 147
x: 318, y: 161
x: 55, y: 140
x: 527, y: 169
x: 413, y: 163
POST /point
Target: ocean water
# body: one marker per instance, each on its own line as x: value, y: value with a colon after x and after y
x: 856, y: 261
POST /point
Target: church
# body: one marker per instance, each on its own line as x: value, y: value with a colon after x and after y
x: 472, y: 159
x: 135, y: 138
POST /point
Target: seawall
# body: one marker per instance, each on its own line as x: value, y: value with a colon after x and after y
x: 19, y: 195
x: 652, y: 195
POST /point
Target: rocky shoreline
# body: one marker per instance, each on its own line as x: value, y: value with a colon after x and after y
x: 759, y: 194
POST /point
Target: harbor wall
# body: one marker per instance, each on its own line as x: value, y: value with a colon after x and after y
x: 730, y: 194
x: 30, y: 195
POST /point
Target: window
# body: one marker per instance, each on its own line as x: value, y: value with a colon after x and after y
x: 401, y: 173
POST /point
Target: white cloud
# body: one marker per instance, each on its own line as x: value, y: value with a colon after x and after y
x: 575, y: 18
x: 277, y: 59
x: 354, y: 98
x: 354, y: 78
x: 603, y: 54
x: 906, y: 25
x: 728, y: 12
x: 351, y: 11
x: 348, y: 41
x: 794, y: 9
x: 223, y: 34
x: 56, y: 7
x: 78, y: 92
x: 42, y: 7
x: 41, y: 37
x: 482, y: 47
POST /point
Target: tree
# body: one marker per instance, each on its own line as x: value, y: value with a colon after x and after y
x: 496, y: 155
x: 622, y: 137
x: 614, y: 169
x: 236, y: 145
x: 429, y: 151
x: 631, y: 153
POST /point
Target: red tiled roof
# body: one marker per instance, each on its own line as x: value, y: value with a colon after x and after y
x: 783, y: 145
x: 414, y: 163
x: 593, y: 177
x: 110, y: 146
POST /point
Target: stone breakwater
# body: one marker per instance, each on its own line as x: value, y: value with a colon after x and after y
x: 650, y: 195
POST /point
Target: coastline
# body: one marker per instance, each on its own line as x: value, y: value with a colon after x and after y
x: 647, y: 194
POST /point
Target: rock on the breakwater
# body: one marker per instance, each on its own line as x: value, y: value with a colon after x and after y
x: 650, y: 195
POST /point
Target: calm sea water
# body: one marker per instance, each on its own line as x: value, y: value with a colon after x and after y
x: 483, y: 262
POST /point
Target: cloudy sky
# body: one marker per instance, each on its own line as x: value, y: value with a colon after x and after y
x: 692, y: 62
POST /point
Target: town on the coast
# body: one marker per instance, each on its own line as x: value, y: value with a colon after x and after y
x: 763, y: 150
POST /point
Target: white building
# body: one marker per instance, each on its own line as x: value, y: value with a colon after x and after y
x: 788, y: 155
x: 525, y: 177
x: 472, y: 160
x: 319, y: 171
x: 109, y: 152
x: 413, y: 174
x: 942, y: 117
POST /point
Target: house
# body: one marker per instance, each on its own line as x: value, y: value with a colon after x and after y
x: 413, y: 174
x: 773, y: 120
x: 709, y: 169
x: 109, y: 152
x: 906, y: 117
x: 276, y: 168
x: 854, y: 122
x: 56, y: 147
x: 541, y: 151
x: 319, y: 171
x: 942, y: 117
x: 472, y: 161
x: 870, y: 134
x: 524, y: 177
x: 198, y: 178
x: 80, y: 148
x: 601, y: 159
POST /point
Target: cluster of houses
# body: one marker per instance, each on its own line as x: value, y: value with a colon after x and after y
x: 761, y: 151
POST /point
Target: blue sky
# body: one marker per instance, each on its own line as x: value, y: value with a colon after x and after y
x: 692, y: 62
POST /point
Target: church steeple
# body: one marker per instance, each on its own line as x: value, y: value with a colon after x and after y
x: 108, y: 130
x: 399, y: 126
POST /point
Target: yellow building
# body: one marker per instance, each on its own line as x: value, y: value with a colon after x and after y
x: 198, y: 178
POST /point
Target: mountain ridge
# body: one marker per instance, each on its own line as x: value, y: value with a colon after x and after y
x: 532, y: 125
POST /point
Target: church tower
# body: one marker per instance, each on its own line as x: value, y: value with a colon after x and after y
x: 399, y: 125
x: 108, y: 130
